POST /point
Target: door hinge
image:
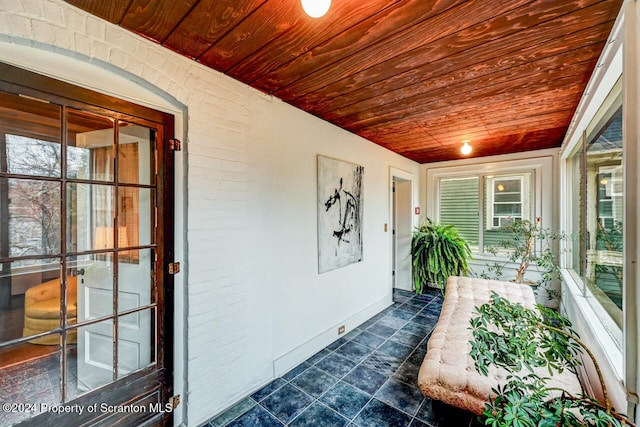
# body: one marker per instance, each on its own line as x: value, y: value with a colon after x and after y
x: 175, y: 144
x: 174, y: 401
x: 174, y: 267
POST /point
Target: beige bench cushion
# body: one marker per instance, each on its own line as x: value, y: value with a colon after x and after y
x: 447, y: 372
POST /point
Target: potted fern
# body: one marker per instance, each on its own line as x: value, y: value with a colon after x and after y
x: 437, y: 252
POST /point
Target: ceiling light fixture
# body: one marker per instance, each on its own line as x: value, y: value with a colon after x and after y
x: 466, y: 148
x: 316, y: 8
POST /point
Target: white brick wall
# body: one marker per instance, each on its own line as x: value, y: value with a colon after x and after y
x: 250, y: 210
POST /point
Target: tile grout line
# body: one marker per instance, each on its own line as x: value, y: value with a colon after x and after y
x: 373, y: 396
x: 351, y: 421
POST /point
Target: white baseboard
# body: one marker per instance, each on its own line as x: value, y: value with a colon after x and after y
x: 291, y: 359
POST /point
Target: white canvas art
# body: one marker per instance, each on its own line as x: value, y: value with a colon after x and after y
x: 340, y: 206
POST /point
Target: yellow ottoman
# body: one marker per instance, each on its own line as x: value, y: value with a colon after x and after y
x: 42, y: 310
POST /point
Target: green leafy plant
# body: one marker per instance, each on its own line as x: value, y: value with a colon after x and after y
x: 527, y: 244
x: 437, y: 252
x: 519, y: 339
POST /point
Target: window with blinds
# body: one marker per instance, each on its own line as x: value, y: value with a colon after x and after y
x: 480, y: 205
x: 459, y: 206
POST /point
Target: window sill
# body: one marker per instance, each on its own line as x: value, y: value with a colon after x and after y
x: 489, y: 258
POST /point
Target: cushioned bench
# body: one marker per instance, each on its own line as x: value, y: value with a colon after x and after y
x: 447, y: 372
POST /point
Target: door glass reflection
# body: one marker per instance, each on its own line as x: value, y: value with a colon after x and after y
x: 33, y: 210
x: 90, y: 217
x: 135, y: 148
x: 90, y: 152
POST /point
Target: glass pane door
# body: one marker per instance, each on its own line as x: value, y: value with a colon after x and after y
x: 111, y: 215
x: 79, y: 304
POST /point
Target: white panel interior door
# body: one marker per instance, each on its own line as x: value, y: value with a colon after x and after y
x: 95, y: 342
x: 134, y: 330
x: 402, y: 236
x: 95, y: 300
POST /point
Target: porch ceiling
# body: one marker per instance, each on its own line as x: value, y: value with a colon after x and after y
x: 415, y: 76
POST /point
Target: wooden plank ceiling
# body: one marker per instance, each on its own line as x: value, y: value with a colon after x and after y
x: 415, y: 76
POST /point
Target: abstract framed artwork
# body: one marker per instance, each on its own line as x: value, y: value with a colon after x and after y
x: 340, y: 210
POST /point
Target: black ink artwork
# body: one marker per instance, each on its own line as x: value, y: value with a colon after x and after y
x: 348, y: 212
x: 339, y: 213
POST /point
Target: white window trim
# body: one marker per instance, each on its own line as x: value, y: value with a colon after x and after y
x: 539, y: 163
x: 595, y: 327
x: 524, y: 201
x: 604, y: 81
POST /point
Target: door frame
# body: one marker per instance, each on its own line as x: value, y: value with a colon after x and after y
x: 398, y: 174
x: 135, y: 388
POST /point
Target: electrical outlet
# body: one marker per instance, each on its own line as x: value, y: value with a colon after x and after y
x: 341, y: 330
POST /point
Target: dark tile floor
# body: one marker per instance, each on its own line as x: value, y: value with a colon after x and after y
x: 368, y: 378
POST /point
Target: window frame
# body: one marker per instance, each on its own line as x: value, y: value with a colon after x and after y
x: 611, y: 195
x: 618, y: 364
x: 577, y: 148
x: 523, y: 202
x: 540, y: 164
